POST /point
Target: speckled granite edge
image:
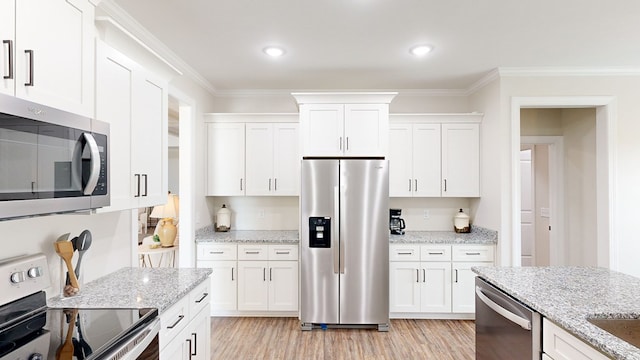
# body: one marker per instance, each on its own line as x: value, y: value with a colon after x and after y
x: 568, y: 296
x: 478, y: 235
x: 136, y: 288
x: 208, y: 234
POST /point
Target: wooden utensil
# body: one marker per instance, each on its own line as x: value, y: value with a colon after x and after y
x: 65, y: 250
x: 65, y: 351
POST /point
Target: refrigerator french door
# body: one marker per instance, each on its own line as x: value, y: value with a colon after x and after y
x: 344, y: 260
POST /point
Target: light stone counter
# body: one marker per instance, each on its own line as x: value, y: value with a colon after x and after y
x: 208, y: 234
x: 478, y: 235
x: 136, y: 288
x: 569, y: 295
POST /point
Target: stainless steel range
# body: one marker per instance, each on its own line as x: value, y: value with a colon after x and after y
x: 31, y: 330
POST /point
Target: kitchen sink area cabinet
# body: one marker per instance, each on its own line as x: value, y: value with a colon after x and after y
x: 434, y: 155
x: 134, y: 103
x: 429, y: 280
x: 226, y: 159
x: 558, y: 344
x: 272, y: 159
x: 54, y: 67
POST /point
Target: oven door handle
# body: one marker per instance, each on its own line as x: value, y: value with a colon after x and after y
x: 137, y: 343
x: 524, y: 323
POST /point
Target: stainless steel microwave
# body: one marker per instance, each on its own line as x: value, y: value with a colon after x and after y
x: 51, y: 161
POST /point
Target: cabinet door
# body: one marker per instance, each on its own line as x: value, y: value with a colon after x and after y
x: 404, y: 286
x: 286, y: 159
x: 252, y: 285
x: 322, y: 127
x: 178, y: 349
x: 149, y: 140
x: 225, y: 160
x: 199, y: 336
x: 259, y: 159
x: 114, y: 84
x: 60, y: 35
x: 283, y: 286
x: 223, y: 284
x: 463, y: 292
x: 460, y: 160
x: 435, y: 293
x: 426, y: 160
x: 400, y: 160
x: 7, y: 53
x: 366, y: 129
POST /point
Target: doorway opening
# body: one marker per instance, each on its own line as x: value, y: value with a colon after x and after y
x: 596, y: 179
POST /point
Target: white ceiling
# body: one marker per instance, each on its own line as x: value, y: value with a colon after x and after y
x: 364, y: 44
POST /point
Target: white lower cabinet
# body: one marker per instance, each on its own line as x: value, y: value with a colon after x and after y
x: 558, y: 344
x: 186, y: 326
x: 424, y: 280
x: 252, y: 278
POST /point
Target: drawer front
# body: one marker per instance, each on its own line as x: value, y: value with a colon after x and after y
x: 173, y: 320
x: 435, y: 252
x: 200, y: 297
x: 217, y: 252
x: 561, y: 345
x: 472, y: 252
x: 399, y: 252
x: 283, y: 252
x: 253, y: 252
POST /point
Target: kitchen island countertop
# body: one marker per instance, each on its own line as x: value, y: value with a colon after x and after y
x: 136, y: 288
x: 569, y: 295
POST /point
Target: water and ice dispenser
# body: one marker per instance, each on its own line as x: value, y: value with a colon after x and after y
x: 320, y: 232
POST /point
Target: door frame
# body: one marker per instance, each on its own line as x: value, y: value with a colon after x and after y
x: 606, y: 125
x: 557, y: 245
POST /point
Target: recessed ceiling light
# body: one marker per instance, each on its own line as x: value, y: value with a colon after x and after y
x: 421, y: 50
x: 273, y: 51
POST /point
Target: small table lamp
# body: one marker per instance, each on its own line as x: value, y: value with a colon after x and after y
x: 167, y: 212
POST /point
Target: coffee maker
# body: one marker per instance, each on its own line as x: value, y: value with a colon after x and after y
x: 396, y: 223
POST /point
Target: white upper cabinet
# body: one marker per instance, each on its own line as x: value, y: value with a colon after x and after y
x: 344, y: 124
x: 460, y: 160
x: 272, y: 159
x: 414, y: 160
x: 225, y: 159
x: 49, y: 57
x: 434, y: 155
x: 134, y: 103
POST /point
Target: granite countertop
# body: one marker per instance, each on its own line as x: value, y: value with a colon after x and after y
x: 569, y: 295
x: 478, y: 235
x: 136, y: 288
x: 208, y: 234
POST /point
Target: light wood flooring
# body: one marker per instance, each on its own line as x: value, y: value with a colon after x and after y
x: 281, y: 338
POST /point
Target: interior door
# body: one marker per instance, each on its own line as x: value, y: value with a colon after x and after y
x: 527, y: 213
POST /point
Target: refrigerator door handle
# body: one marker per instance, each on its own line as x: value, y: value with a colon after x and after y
x: 336, y: 213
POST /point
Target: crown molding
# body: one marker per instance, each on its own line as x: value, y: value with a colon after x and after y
x: 140, y: 34
x: 568, y: 71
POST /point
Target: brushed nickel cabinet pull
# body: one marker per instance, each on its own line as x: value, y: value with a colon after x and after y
x: 9, y: 58
x: 347, y: 143
x: 424, y: 275
x: 340, y: 143
x: 252, y: 252
x: 216, y: 252
x: 436, y: 253
x: 409, y: 184
x: 417, y: 275
x: 269, y: 184
x: 405, y: 253
x: 232, y: 274
x: 456, y: 270
x: 30, y: 54
x: 240, y: 184
x: 270, y: 275
x: 282, y: 252
x: 264, y: 274
x: 275, y: 184
x: 472, y: 253
x: 445, y: 184
x: 415, y: 187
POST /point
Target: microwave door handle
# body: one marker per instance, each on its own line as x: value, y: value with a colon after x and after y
x: 92, y: 182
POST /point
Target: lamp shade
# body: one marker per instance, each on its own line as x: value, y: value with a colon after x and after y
x: 168, y: 210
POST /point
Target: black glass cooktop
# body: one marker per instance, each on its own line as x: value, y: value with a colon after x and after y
x: 70, y: 333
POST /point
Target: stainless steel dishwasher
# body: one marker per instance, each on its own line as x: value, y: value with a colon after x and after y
x: 505, y: 328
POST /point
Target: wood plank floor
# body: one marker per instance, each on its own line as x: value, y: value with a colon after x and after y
x: 281, y: 338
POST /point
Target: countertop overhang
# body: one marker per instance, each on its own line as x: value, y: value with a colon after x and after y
x: 568, y: 296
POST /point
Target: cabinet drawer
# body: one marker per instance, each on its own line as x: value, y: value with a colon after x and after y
x: 560, y: 344
x: 472, y: 252
x: 173, y: 320
x: 200, y: 297
x: 283, y: 252
x: 404, y: 252
x: 253, y: 252
x: 217, y: 252
x: 435, y: 252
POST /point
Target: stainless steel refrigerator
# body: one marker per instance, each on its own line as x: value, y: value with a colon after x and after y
x: 344, y: 249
